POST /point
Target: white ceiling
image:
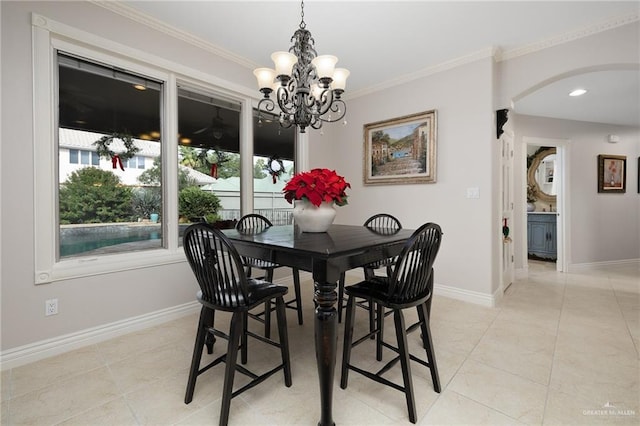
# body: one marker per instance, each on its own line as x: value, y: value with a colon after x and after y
x: 372, y: 37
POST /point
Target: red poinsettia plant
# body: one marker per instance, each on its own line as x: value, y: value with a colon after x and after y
x: 317, y: 185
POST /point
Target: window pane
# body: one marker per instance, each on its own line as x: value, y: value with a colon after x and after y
x: 73, y: 156
x: 104, y: 205
x: 209, y: 159
x: 273, y: 165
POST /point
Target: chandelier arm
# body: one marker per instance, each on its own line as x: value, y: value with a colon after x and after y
x: 339, y: 107
x: 265, y: 105
x: 326, y: 101
x: 316, y: 124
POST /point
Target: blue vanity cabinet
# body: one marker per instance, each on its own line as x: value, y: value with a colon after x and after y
x: 541, y: 235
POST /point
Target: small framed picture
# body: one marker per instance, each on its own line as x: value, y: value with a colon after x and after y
x: 612, y: 173
x: 401, y: 150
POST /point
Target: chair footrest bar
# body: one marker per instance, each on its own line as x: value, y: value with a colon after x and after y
x: 257, y: 380
x: 263, y: 339
x: 388, y: 366
x: 246, y: 372
x: 376, y: 378
x: 412, y: 357
x: 221, y: 358
x: 364, y: 338
x: 413, y: 327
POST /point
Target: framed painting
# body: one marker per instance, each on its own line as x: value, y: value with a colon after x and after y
x: 612, y: 173
x: 401, y: 150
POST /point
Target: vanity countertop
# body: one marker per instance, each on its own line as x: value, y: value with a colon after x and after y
x: 542, y: 212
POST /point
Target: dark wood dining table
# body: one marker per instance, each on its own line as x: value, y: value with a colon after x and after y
x: 326, y: 255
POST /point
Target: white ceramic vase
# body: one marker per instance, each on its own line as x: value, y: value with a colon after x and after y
x: 310, y: 218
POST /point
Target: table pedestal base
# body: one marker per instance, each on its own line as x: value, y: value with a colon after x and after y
x: 326, y: 336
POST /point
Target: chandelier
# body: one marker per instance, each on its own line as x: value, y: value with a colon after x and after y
x: 307, y: 87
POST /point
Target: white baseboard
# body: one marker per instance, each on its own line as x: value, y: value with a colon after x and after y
x: 579, y: 267
x: 488, y: 300
x: 26, y: 354
x: 46, y: 348
x: 37, y: 351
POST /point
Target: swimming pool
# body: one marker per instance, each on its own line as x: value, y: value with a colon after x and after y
x: 78, y: 240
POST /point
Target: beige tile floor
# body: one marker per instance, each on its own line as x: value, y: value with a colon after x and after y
x: 560, y: 349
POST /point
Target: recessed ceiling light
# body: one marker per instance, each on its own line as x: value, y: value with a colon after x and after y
x: 578, y: 92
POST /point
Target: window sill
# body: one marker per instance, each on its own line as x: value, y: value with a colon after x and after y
x: 98, y: 265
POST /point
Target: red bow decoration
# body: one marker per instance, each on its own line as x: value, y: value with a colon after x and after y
x: 214, y: 171
x: 115, y: 161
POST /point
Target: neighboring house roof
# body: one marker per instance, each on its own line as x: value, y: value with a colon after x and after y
x: 80, y: 139
x: 259, y: 185
x: 199, y: 177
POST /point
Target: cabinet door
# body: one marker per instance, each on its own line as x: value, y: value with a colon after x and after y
x: 551, y: 239
x: 537, y: 236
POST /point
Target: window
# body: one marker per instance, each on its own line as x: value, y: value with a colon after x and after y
x: 135, y: 162
x: 273, y: 163
x: 77, y: 156
x: 208, y: 158
x: 173, y: 102
x: 107, y: 115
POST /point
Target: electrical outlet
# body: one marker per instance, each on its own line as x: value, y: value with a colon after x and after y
x: 51, y: 307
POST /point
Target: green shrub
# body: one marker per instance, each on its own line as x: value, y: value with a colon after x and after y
x: 146, y: 201
x: 196, y: 203
x: 91, y: 195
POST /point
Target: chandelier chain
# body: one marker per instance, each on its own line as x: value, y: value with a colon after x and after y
x: 302, y: 23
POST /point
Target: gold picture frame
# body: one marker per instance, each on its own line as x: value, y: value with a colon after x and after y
x: 612, y: 173
x: 401, y: 150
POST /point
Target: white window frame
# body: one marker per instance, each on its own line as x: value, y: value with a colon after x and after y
x: 50, y: 36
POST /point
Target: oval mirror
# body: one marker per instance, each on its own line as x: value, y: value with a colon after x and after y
x: 541, y: 175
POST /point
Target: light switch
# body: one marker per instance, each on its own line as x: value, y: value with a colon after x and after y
x: 473, y: 192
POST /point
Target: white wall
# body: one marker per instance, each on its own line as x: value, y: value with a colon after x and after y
x: 614, y: 48
x: 465, y: 98
x: 609, y: 49
x: 466, y: 146
x: 602, y: 227
x: 90, y: 302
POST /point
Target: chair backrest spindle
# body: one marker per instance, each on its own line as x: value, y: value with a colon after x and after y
x: 216, y: 265
x: 412, y: 275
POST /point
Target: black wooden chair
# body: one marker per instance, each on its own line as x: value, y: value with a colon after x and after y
x: 255, y: 223
x: 381, y: 223
x: 409, y: 285
x: 225, y: 287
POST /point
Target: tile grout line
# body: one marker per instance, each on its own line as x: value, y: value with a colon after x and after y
x: 555, y: 347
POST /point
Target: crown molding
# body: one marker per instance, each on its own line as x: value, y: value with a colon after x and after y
x: 496, y: 53
x: 425, y: 72
x: 569, y: 36
x: 158, y: 25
